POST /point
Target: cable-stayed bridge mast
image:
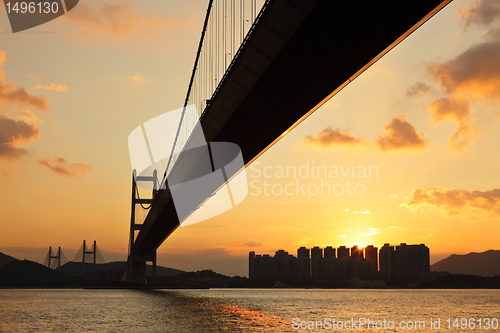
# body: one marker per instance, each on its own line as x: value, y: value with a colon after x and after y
x: 54, y: 261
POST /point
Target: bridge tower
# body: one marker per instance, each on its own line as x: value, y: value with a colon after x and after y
x: 93, y: 252
x: 136, y: 264
x: 58, y: 257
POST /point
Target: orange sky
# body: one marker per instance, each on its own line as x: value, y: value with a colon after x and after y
x: 425, y: 118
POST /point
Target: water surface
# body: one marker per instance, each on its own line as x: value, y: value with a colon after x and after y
x: 242, y: 310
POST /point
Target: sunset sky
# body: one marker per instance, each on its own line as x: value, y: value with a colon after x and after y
x: 425, y: 119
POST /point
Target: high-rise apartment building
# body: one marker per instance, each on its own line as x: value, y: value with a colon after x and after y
x: 343, y: 252
x: 356, y: 252
x: 404, y: 263
x: 329, y: 252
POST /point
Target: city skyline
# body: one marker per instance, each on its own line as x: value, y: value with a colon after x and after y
x: 403, y: 263
x: 424, y: 117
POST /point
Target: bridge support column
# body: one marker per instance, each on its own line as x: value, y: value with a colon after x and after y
x: 153, y: 278
x: 136, y: 265
x: 136, y: 270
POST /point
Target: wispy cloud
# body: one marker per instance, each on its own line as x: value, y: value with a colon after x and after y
x: 52, y: 86
x: 371, y: 232
x: 34, y: 77
x: 302, y: 241
x: 329, y: 137
x: 24, y: 114
x: 418, y: 88
x: 138, y: 78
x: 251, y: 244
x: 61, y: 167
x: 96, y: 21
x: 12, y: 134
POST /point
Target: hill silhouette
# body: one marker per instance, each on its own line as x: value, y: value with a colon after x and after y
x: 73, y: 267
x: 462, y: 281
x: 30, y: 273
x: 5, y: 259
x: 482, y: 264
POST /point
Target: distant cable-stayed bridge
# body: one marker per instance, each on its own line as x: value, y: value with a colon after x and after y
x: 257, y: 75
x: 84, y: 255
x: 55, y: 260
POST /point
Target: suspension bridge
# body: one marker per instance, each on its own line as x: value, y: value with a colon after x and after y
x: 260, y: 70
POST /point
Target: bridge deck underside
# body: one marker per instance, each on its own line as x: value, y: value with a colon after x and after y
x: 333, y: 42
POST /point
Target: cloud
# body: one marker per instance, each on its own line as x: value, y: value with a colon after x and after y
x: 252, y: 244
x: 302, y: 241
x: 482, y: 13
x: 24, y: 114
x: 34, y: 77
x: 12, y: 133
x: 329, y: 137
x: 52, y: 86
x: 452, y: 202
x: 372, y: 231
x: 493, y: 34
x: 471, y: 77
x: 365, y: 212
x: 446, y: 108
x: 138, y: 78
x: 61, y: 167
x: 466, y: 132
x: 117, y: 19
x: 400, y: 134
x: 10, y: 94
x: 458, y: 110
x: 418, y: 88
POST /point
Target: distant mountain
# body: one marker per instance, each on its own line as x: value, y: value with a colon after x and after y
x: 32, y: 274
x: 29, y: 273
x: 5, y: 259
x: 482, y: 264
